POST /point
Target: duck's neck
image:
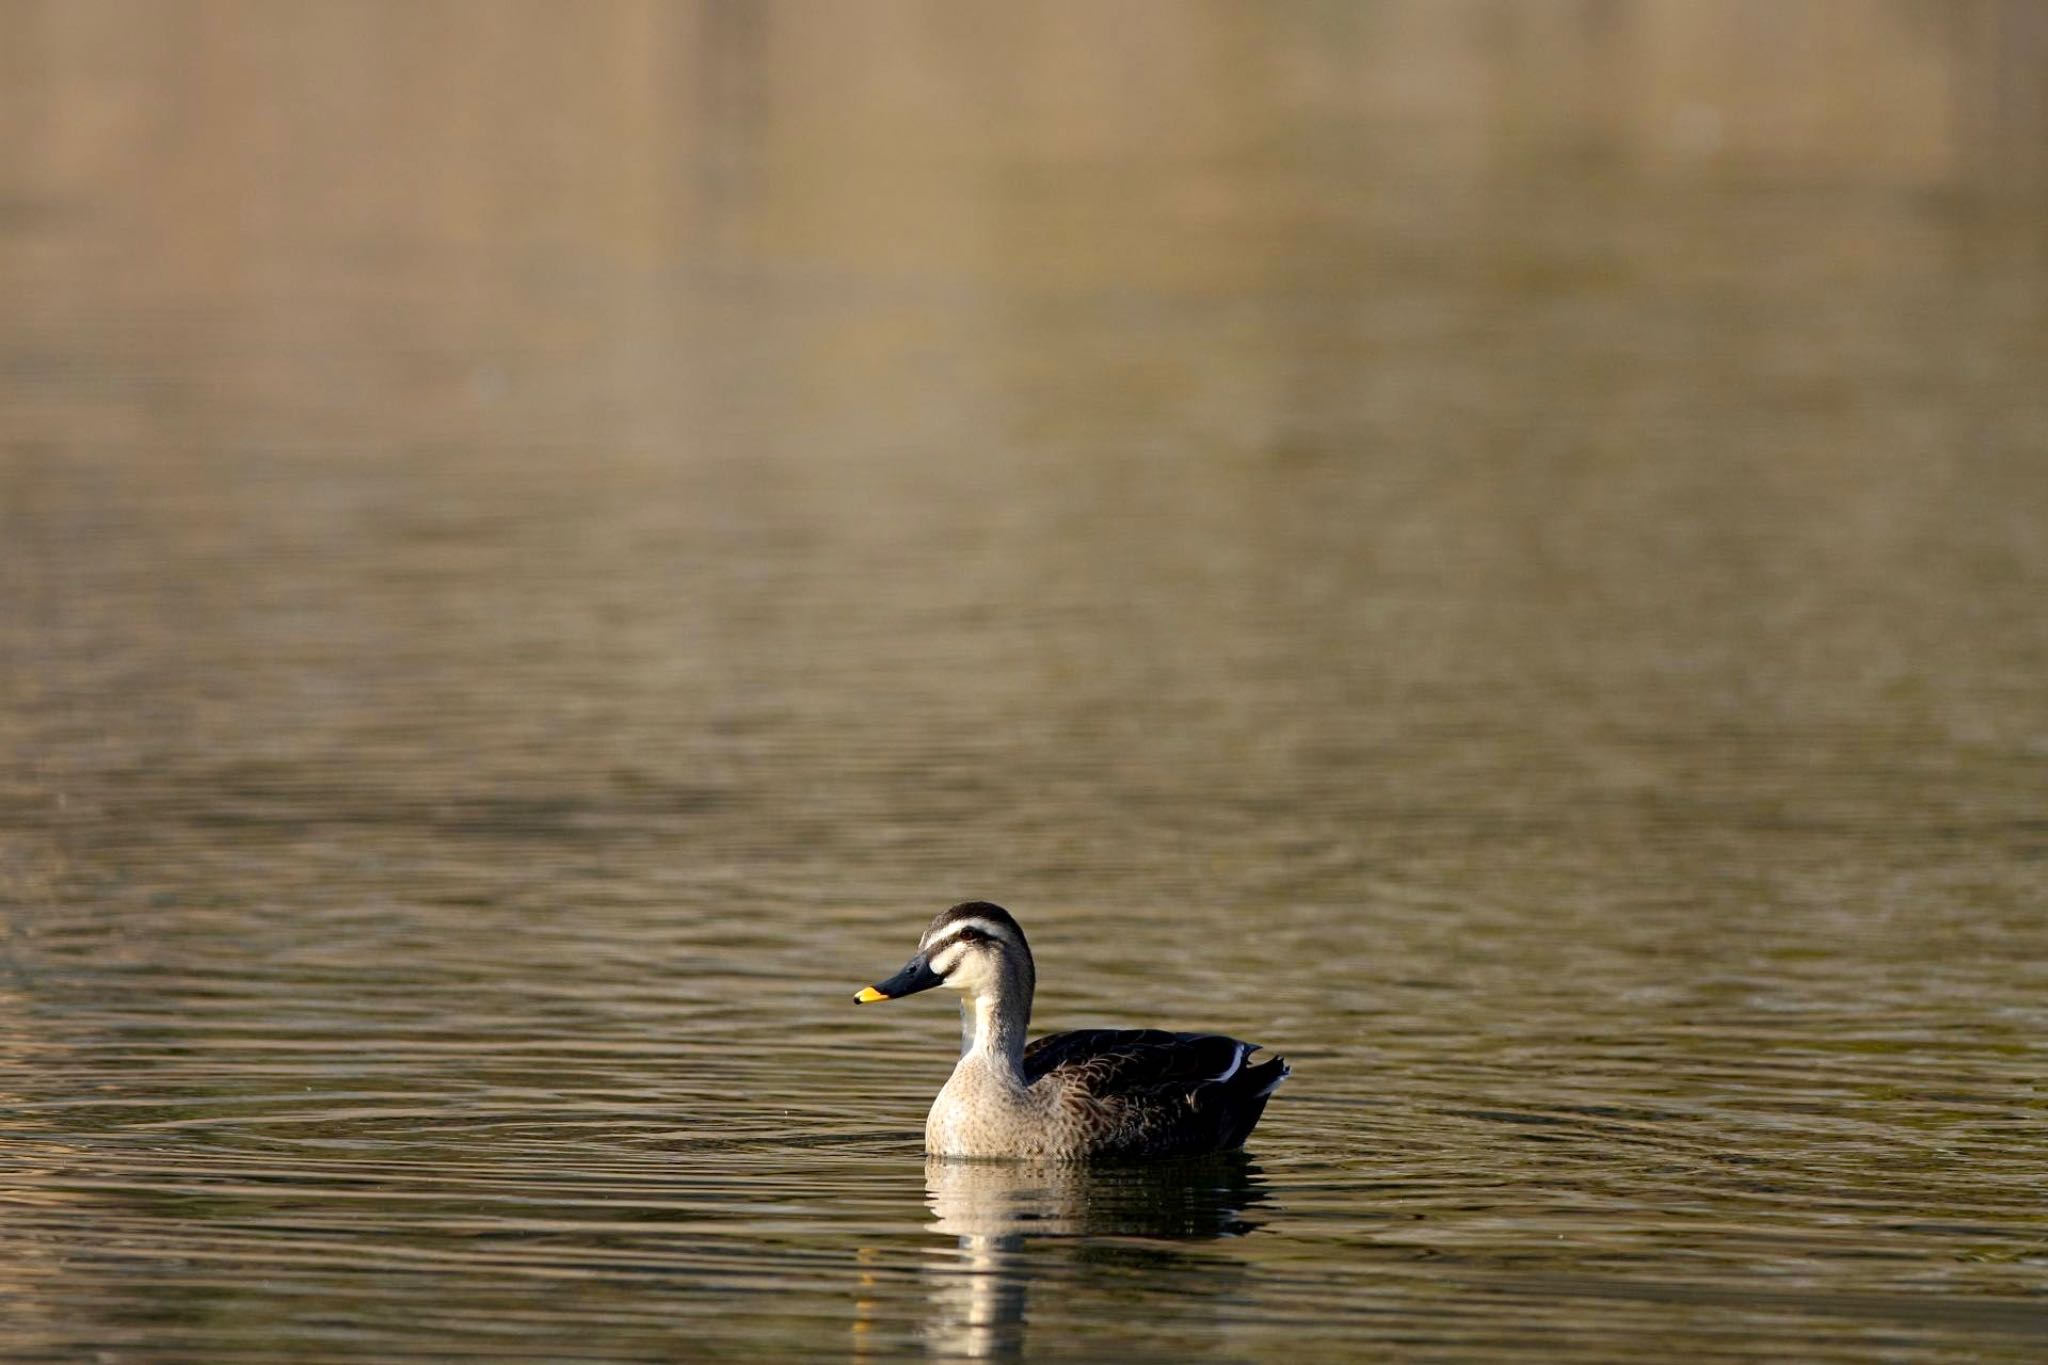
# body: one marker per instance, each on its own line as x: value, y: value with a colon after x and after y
x: 993, y: 1022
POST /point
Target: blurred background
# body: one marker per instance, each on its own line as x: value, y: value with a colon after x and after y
x: 1498, y: 548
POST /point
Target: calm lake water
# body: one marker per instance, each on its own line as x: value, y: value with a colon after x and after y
x: 1500, y: 551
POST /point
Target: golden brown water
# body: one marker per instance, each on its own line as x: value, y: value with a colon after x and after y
x: 1500, y: 550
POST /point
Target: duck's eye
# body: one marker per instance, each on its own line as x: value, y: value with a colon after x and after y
x: 973, y: 936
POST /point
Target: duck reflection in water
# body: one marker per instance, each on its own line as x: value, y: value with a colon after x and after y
x: 1089, y: 1215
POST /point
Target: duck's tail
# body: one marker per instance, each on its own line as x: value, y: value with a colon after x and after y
x: 1254, y: 1085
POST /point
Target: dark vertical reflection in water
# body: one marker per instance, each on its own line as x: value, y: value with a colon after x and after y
x: 1498, y: 550
x: 1109, y: 1220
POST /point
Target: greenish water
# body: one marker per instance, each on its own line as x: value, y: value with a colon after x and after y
x: 1500, y: 553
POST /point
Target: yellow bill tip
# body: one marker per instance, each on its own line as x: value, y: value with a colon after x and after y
x: 868, y: 995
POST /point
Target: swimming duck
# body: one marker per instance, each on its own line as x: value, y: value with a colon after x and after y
x: 1088, y: 1093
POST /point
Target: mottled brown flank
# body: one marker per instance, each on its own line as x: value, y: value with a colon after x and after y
x: 1148, y: 1092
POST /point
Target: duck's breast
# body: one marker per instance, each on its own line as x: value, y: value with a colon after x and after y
x: 982, y: 1113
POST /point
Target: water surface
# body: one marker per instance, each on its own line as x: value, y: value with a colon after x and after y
x: 1500, y: 554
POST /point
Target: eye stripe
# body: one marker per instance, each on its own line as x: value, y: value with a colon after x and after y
x: 953, y: 931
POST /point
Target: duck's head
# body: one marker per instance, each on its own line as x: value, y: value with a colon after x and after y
x: 975, y: 948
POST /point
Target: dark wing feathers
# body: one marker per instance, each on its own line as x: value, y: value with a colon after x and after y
x: 1137, y: 1059
x: 1174, y: 1092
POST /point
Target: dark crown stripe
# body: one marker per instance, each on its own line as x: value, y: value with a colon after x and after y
x: 996, y: 919
x: 974, y: 910
x: 958, y: 930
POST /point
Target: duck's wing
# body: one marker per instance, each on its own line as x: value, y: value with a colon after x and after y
x: 1139, y: 1061
x: 1148, y: 1092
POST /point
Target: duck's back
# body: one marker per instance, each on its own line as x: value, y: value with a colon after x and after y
x: 1148, y: 1092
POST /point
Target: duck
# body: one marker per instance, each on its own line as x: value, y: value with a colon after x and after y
x: 1082, y: 1095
